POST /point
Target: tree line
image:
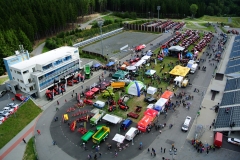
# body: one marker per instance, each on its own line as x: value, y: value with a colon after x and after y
x: 176, y: 8
x: 23, y: 22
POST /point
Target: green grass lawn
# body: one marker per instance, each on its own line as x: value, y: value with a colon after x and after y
x: 112, y: 18
x: 209, y: 28
x: 235, y: 20
x: 29, y: 153
x: 13, y: 125
x: 45, y: 49
x: 3, y: 79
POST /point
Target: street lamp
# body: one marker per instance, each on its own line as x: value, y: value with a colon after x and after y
x: 173, y: 152
x: 100, y: 24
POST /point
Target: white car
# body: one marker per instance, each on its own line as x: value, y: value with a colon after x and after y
x: 8, y: 109
x: 2, y: 119
x: 13, y: 105
x: 234, y: 141
x: 5, y: 114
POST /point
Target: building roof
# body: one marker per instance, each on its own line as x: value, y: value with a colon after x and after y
x: 45, y: 58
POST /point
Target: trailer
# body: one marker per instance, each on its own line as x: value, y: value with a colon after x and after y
x: 87, y: 136
x: 97, y: 117
x: 101, y: 134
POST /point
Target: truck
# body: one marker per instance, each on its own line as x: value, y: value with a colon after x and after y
x: 116, y: 85
x: 97, y: 117
x: 181, y: 81
x: 194, y: 68
x: 87, y: 71
x: 101, y: 134
x: 218, y: 139
x: 87, y: 136
x: 192, y: 65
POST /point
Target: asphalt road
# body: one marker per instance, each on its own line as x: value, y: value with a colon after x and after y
x: 38, y: 50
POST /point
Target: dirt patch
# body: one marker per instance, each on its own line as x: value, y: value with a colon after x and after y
x: 87, y: 18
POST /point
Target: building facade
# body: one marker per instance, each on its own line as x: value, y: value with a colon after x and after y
x: 39, y: 73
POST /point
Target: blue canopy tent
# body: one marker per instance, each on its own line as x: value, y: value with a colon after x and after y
x: 149, y: 53
x: 96, y: 65
x: 189, y: 55
x: 165, y: 51
x: 110, y: 64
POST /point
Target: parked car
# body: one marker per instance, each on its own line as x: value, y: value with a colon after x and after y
x: 2, y: 93
x: 13, y: 105
x: 5, y: 114
x: 19, y: 97
x: 150, y: 100
x: 2, y: 119
x: 234, y: 141
x: 8, y: 109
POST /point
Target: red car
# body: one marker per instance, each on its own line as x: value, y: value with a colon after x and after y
x: 140, y: 47
x: 19, y: 97
x: 133, y: 115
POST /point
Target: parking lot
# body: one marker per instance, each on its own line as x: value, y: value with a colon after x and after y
x: 112, y: 45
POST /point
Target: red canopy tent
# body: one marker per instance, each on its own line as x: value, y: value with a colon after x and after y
x: 151, y: 112
x: 167, y: 94
x: 144, y: 122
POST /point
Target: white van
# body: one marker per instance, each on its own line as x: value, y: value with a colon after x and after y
x: 132, y: 132
x: 186, y: 124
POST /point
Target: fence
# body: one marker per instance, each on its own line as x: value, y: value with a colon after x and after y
x: 139, y: 27
x: 98, y: 38
x: 94, y: 55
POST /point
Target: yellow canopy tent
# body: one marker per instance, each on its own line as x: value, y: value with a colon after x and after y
x: 179, y: 71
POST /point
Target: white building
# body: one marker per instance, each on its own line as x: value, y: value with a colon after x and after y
x: 37, y: 74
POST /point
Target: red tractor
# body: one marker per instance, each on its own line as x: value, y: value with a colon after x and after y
x: 112, y: 108
x: 138, y: 109
x: 123, y: 107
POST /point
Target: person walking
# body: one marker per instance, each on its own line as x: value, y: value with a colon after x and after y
x: 57, y: 102
x: 164, y: 150
x: 95, y: 157
x: 39, y: 132
x: 89, y: 156
x: 24, y: 140
x: 100, y: 154
x: 115, y: 153
x: 161, y: 149
x: 65, y: 100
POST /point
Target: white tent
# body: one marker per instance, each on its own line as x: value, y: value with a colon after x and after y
x: 139, y: 63
x: 151, y: 90
x: 150, y: 72
x: 160, y: 104
x: 118, y: 138
x: 134, y: 88
x: 130, y: 68
x: 145, y: 57
x: 112, y: 119
x: 176, y: 48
